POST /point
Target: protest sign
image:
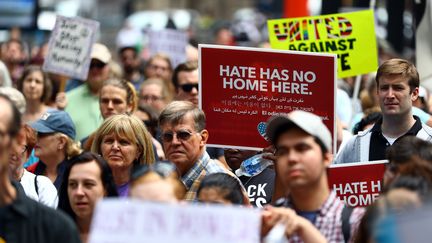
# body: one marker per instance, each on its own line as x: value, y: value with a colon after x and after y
x: 70, y: 46
x: 241, y: 88
x: 170, y: 42
x: 349, y: 35
x: 357, y: 184
x: 133, y: 221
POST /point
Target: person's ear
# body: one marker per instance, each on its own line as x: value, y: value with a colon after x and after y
x: 415, y: 94
x: 62, y: 142
x: 328, y: 159
x: 129, y: 108
x: 139, y: 153
x: 204, y: 137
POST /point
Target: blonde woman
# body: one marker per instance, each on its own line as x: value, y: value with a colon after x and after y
x: 117, y: 96
x: 54, y: 145
x: 123, y: 141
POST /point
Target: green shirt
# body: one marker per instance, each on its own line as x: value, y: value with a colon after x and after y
x: 83, y: 107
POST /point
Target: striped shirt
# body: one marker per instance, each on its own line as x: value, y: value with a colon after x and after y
x: 192, y: 179
x: 328, y: 219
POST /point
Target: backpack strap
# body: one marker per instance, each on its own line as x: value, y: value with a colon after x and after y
x: 36, y: 185
x: 346, y: 226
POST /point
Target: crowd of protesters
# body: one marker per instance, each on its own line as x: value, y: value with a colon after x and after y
x: 133, y: 128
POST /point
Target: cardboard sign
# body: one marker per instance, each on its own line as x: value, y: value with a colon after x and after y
x: 70, y: 47
x: 170, y: 42
x: 357, y: 184
x: 349, y: 35
x: 132, y: 221
x: 241, y: 88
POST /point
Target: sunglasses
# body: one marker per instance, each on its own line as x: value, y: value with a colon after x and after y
x: 182, y: 135
x: 188, y: 87
x: 24, y: 149
x: 162, y: 168
x: 98, y: 65
x: 43, y: 135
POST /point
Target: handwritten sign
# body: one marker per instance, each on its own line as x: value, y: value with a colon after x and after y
x: 357, y: 184
x: 349, y: 35
x: 241, y: 88
x: 133, y: 221
x: 170, y: 42
x: 70, y: 47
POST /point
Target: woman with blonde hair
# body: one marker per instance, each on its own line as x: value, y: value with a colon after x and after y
x: 124, y: 142
x: 55, y: 145
x: 117, y: 96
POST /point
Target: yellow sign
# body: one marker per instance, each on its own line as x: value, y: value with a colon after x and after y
x: 350, y: 35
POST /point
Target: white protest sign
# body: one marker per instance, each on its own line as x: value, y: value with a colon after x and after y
x: 170, y: 42
x: 70, y: 47
x: 132, y: 221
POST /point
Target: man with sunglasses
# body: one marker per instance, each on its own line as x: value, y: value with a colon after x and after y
x: 184, y: 138
x: 185, y: 79
x: 83, y: 102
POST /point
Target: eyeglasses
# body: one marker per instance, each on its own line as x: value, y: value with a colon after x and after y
x: 182, y: 135
x: 24, y: 149
x: 188, y: 87
x: 162, y: 168
x: 43, y: 135
x: 97, y: 65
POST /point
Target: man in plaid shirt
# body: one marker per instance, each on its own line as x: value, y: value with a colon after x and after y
x: 183, y: 139
x: 310, y: 212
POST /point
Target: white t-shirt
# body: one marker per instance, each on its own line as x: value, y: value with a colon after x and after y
x: 47, y: 192
x: 390, y: 139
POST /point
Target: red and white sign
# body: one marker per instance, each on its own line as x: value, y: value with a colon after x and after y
x: 241, y: 88
x: 357, y: 184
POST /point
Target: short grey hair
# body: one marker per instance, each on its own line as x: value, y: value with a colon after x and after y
x: 16, y: 97
x: 177, y: 110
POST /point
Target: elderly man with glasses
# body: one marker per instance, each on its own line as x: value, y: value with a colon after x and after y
x: 184, y: 138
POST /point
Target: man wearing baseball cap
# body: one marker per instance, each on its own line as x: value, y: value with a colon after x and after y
x: 303, y: 152
x: 83, y: 101
x: 54, y: 146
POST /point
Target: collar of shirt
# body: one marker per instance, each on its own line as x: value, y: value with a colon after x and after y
x: 196, y: 170
x: 41, y: 167
x: 412, y: 131
x: 378, y: 143
x: 323, y: 210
